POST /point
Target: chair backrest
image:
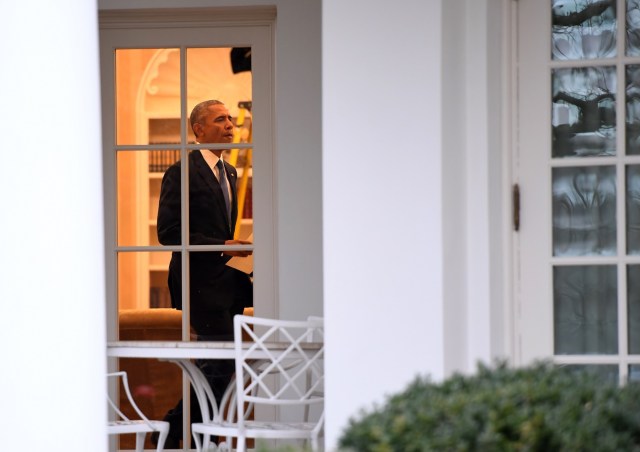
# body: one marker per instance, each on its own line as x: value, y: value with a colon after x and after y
x: 286, y: 351
x: 122, y: 376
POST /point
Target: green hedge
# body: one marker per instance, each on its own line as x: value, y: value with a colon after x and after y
x: 538, y: 408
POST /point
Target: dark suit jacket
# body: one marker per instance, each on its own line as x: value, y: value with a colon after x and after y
x: 213, y: 285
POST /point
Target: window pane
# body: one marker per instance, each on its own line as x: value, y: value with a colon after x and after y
x: 585, y: 309
x: 633, y: 27
x: 139, y: 176
x: 633, y: 306
x: 634, y: 373
x: 147, y: 87
x: 607, y: 372
x: 224, y: 74
x: 584, y: 211
x: 633, y: 209
x: 583, y: 111
x: 632, y: 103
x: 142, y: 280
x: 583, y: 29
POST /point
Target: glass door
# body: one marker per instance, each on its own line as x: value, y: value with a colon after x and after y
x: 577, y: 165
x: 173, y: 237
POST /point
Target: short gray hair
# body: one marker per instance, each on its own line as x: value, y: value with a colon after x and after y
x: 199, y: 111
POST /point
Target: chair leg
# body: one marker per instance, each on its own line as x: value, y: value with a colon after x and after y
x: 242, y: 447
x: 140, y: 436
x: 162, y: 437
x: 196, y: 439
x: 225, y: 444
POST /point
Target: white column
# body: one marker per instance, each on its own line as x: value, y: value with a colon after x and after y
x: 382, y: 200
x: 51, y: 259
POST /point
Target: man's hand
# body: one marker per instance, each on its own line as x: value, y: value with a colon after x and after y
x: 238, y: 253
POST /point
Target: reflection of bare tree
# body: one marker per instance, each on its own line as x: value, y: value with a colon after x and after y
x: 593, y: 113
x: 633, y: 210
x: 584, y: 29
x: 632, y: 91
x: 633, y: 27
x: 584, y: 103
x: 576, y: 18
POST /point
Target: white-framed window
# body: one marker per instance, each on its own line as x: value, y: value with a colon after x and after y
x: 155, y: 69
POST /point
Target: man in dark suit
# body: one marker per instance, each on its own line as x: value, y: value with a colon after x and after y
x: 217, y: 291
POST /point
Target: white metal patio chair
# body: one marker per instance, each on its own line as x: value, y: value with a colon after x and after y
x: 140, y: 427
x: 286, y: 358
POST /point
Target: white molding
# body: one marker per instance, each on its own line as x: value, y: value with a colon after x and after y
x: 186, y: 17
x: 509, y: 149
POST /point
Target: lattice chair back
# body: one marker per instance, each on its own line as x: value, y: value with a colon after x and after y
x: 280, y: 363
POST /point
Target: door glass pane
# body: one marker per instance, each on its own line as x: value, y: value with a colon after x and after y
x: 634, y: 373
x: 633, y: 308
x: 583, y: 29
x: 583, y: 115
x: 585, y: 309
x: 607, y: 372
x: 633, y: 209
x: 584, y: 211
x: 147, y: 87
x: 632, y: 104
x: 633, y: 27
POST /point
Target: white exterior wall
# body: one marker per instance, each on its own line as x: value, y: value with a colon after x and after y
x: 476, y: 181
x: 52, y: 383
x: 486, y: 172
x: 382, y: 200
x: 426, y: 285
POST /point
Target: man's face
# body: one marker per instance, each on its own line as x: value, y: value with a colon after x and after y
x: 216, y: 126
